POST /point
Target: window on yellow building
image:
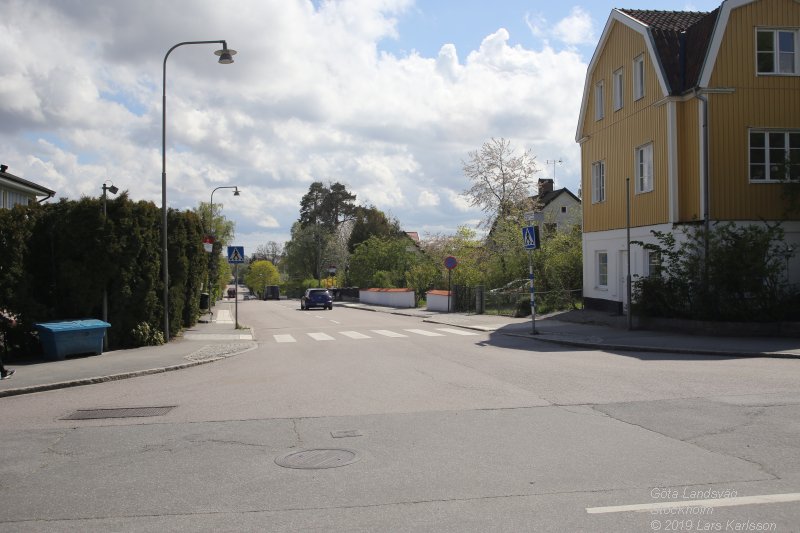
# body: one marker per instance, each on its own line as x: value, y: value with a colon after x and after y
x: 774, y: 155
x: 638, y: 77
x: 618, y: 89
x: 644, y: 168
x: 599, y: 98
x: 776, y: 51
x: 598, y: 182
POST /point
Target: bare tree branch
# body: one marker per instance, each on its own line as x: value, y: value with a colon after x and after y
x: 500, y: 179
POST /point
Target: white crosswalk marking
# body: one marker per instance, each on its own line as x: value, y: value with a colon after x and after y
x: 224, y: 316
x: 455, y: 331
x: 355, y: 335
x: 425, y: 332
x: 320, y: 336
x: 387, y: 333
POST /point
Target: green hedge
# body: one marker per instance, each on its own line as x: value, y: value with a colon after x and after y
x: 58, y: 258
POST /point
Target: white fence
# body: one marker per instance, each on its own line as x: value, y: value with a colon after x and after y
x: 403, y: 298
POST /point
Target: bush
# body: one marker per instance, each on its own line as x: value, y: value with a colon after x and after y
x: 743, y: 279
x: 382, y: 279
x: 144, y: 335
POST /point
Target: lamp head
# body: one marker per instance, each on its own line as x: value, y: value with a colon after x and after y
x: 236, y: 191
x: 113, y: 189
x: 225, y: 55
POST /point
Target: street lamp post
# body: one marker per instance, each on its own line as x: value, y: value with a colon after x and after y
x: 225, y: 58
x: 112, y: 190
x: 211, y: 227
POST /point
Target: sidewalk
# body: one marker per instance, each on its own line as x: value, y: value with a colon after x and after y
x: 205, y: 343
x: 596, y: 330
x: 211, y: 341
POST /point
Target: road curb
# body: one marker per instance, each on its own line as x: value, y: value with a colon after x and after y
x: 655, y: 349
x: 115, y: 377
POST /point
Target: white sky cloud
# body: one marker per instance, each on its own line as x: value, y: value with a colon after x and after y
x: 310, y: 97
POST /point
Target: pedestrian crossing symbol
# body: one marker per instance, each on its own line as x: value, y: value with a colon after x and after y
x: 530, y: 237
x: 235, y: 254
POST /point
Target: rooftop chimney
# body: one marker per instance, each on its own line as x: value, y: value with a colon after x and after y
x: 545, y: 186
x: 3, y: 168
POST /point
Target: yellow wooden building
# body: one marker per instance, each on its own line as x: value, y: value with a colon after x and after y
x: 698, y: 116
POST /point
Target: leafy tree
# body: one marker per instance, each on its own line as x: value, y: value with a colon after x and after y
x: 422, y: 276
x: 506, y: 260
x: 222, y: 230
x: 393, y: 256
x: 261, y: 274
x: 371, y: 221
x: 327, y: 206
x: 466, y: 248
x: 500, y: 179
x: 304, y: 252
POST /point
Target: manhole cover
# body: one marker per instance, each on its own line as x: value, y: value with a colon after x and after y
x: 123, y: 412
x: 313, y: 459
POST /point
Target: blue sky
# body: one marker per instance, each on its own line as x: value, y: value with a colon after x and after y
x: 385, y: 96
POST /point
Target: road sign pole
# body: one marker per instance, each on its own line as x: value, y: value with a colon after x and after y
x: 236, y: 299
x: 533, y: 299
x: 530, y: 240
x: 449, y: 294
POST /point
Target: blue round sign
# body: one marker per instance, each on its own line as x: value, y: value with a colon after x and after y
x: 450, y: 262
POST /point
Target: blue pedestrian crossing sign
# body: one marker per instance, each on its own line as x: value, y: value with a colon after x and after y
x: 530, y: 237
x: 235, y: 254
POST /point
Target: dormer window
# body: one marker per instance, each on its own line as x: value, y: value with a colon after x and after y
x: 776, y: 51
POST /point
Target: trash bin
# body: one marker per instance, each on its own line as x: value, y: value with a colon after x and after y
x: 70, y: 337
x: 204, y: 301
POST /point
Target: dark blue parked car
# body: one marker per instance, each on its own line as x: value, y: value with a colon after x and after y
x: 316, y: 298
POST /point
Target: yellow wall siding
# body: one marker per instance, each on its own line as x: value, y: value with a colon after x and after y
x: 757, y: 102
x: 614, y: 138
x: 688, y: 127
x: 622, y: 46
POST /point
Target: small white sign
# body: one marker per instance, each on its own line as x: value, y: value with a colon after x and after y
x: 534, y: 216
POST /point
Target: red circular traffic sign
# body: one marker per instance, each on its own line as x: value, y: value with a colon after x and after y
x: 450, y: 262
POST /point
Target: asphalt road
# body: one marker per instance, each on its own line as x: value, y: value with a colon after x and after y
x: 430, y: 428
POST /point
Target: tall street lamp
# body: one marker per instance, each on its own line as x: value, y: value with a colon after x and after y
x: 225, y: 58
x: 235, y: 193
x: 211, y: 224
x: 112, y: 190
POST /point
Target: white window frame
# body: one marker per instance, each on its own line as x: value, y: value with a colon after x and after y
x: 652, y: 263
x: 643, y: 168
x: 598, y: 182
x: 602, y: 269
x: 638, y: 77
x: 777, y: 53
x: 619, y: 88
x: 599, y: 100
x: 772, y: 173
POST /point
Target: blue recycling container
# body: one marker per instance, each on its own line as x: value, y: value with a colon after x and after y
x: 71, y: 337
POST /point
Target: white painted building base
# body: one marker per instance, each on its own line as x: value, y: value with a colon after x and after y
x: 613, y: 296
